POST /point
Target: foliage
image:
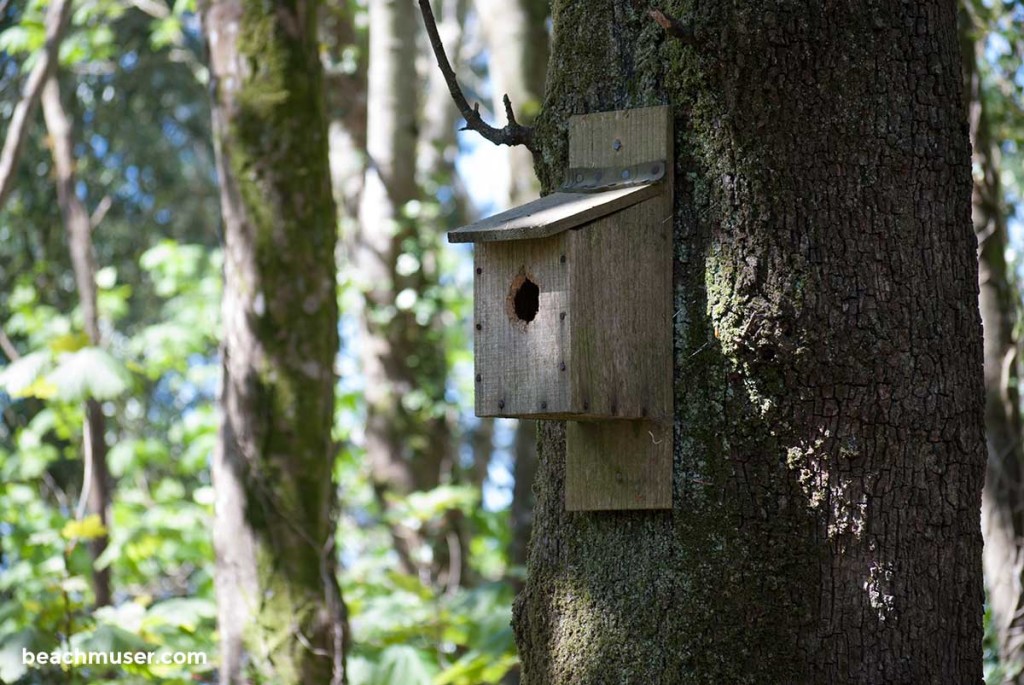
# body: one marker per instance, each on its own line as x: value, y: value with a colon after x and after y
x: 134, y: 85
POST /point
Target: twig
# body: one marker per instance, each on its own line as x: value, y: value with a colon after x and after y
x: 100, y: 212
x: 58, y: 17
x: 512, y: 134
x: 673, y: 26
x: 8, y: 348
x: 157, y: 10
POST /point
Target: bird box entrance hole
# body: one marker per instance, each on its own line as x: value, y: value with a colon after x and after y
x: 525, y: 298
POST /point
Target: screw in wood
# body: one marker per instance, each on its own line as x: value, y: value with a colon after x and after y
x: 501, y: 404
x: 543, y: 405
x: 479, y: 327
x: 561, y: 366
x: 616, y: 144
x: 562, y: 259
x: 561, y: 317
x: 479, y: 378
x: 479, y: 271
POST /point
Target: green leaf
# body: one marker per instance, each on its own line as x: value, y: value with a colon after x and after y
x: 109, y: 638
x: 403, y: 665
x: 12, y: 667
x: 89, y: 528
x: 186, y: 613
x: 89, y: 373
x: 18, y: 376
x: 26, y: 37
x: 69, y: 342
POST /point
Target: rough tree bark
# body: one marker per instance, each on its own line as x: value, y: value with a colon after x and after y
x: 829, y: 401
x: 408, y: 443
x: 78, y: 226
x: 280, y: 614
x: 1002, y: 508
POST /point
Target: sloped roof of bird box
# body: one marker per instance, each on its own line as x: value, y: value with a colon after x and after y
x: 585, y: 197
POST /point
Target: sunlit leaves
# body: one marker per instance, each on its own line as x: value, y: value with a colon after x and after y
x: 88, y: 528
x: 18, y: 377
x: 395, y: 665
x: 89, y: 373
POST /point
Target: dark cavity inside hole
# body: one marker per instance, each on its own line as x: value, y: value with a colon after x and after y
x: 526, y: 301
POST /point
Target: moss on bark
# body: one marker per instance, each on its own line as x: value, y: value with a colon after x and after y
x: 829, y: 446
x: 274, y: 537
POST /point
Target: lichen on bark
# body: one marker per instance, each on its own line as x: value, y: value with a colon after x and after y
x: 829, y: 449
x: 280, y: 612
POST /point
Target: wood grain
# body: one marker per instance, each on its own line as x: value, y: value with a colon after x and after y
x: 642, y: 135
x: 618, y: 465
x: 622, y: 345
x: 621, y: 304
x: 520, y: 366
x: 551, y: 215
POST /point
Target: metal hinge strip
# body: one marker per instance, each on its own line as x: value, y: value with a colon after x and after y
x: 597, y: 180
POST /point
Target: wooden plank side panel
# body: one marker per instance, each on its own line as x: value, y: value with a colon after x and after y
x: 521, y: 367
x: 643, y: 135
x: 624, y: 464
x: 615, y: 465
x: 551, y: 215
x: 622, y: 304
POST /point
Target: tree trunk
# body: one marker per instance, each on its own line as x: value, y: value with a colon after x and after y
x: 58, y: 18
x: 1002, y: 507
x: 437, y: 150
x: 96, y: 479
x: 346, y: 108
x: 829, y: 402
x: 408, y: 440
x: 280, y: 612
x: 518, y: 42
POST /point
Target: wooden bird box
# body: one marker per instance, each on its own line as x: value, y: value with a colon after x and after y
x: 573, y: 307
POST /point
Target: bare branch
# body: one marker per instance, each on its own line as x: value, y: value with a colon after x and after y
x: 100, y: 212
x: 8, y: 348
x: 512, y: 134
x: 58, y: 16
x: 155, y: 9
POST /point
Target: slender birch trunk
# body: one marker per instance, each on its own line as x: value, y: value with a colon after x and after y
x: 96, y: 479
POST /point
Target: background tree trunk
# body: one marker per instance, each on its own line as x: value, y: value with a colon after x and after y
x: 280, y: 612
x: 96, y: 478
x: 829, y: 401
x: 346, y: 108
x: 1002, y: 507
x: 58, y: 18
x: 408, y: 435
x: 518, y: 42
